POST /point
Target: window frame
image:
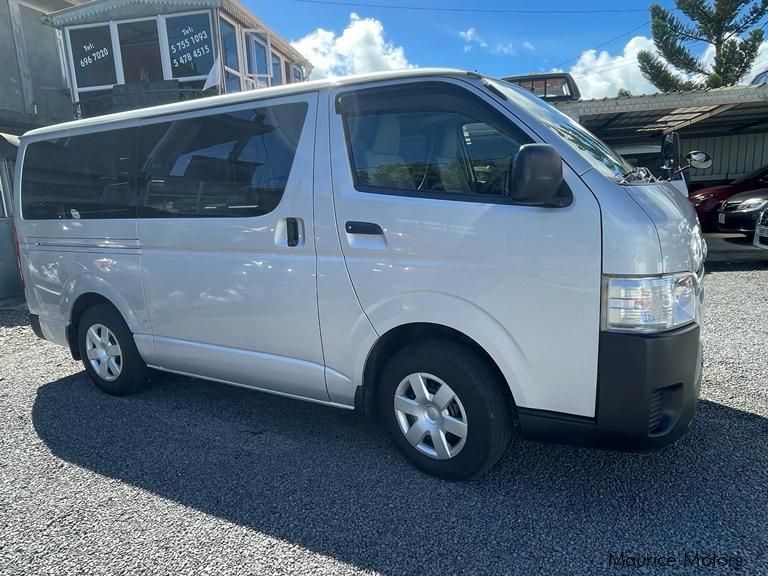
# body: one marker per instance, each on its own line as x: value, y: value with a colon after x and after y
x: 161, y: 39
x: 409, y: 87
x: 240, y: 74
x: 117, y: 56
x: 166, y: 53
x: 255, y: 35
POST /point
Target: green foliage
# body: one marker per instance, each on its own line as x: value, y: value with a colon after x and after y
x: 623, y: 93
x: 731, y: 26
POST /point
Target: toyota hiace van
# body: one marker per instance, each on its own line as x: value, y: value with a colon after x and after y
x: 439, y: 249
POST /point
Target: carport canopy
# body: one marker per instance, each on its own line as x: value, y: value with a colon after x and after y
x: 643, y: 119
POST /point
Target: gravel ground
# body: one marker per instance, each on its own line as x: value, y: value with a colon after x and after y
x: 191, y: 477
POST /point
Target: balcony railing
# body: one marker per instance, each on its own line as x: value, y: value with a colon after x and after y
x: 130, y: 97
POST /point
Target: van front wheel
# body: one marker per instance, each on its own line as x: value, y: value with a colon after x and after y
x: 445, y: 409
x: 109, y: 352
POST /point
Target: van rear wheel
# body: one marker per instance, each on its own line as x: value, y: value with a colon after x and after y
x: 109, y: 352
x: 445, y: 409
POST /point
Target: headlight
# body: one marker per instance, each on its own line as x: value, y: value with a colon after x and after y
x: 649, y: 304
x: 696, y: 200
x: 752, y: 204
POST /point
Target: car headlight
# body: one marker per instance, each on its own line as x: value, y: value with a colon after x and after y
x: 651, y: 304
x: 752, y: 204
x: 696, y: 200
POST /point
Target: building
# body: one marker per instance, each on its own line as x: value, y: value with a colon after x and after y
x: 123, y: 54
x: 34, y: 90
x: 730, y: 123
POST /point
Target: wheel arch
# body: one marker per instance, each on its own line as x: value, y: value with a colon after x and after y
x: 403, y: 335
x: 81, y: 304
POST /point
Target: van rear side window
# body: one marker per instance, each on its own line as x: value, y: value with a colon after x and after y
x: 220, y: 165
x: 80, y: 177
x: 225, y: 165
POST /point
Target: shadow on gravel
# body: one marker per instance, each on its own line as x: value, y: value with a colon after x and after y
x: 327, y: 481
x: 736, y: 266
x: 12, y: 318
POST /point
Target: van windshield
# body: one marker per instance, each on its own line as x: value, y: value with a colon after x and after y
x: 589, y: 146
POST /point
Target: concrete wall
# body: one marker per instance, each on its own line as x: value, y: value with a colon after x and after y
x: 11, y: 95
x: 33, y: 91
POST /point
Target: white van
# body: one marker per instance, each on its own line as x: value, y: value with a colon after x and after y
x: 442, y: 250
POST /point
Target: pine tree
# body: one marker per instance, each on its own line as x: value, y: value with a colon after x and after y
x: 721, y: 25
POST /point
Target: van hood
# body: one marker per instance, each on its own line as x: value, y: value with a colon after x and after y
x: 682, y: 246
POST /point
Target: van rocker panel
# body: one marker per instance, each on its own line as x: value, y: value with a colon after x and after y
x: 647, y: 392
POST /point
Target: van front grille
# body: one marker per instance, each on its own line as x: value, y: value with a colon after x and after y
x: 655, y: 410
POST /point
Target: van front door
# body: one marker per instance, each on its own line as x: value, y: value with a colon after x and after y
x: 227, y: 245
x: 421, y: 175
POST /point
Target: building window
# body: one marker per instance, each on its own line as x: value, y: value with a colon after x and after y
x: 232, y: 82
x: 92, y: 56
x: 258, y: 66
x: 140, y: 51
x: 229, y: 45
x: 190, y: 45
x: 230, y: 56
x: 277, y: 70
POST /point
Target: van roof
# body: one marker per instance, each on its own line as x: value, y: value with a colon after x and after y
x: 247, y: 96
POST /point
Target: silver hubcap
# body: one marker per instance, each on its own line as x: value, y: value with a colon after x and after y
x: 431, y: 416
x: 103, y: 351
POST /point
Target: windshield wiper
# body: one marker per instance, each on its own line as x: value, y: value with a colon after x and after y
x: 638, y: 173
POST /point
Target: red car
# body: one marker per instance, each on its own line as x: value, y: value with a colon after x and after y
x: 708, y: 200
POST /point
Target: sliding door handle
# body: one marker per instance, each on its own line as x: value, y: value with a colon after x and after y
x: 292, y: 231
x: 363, y: 228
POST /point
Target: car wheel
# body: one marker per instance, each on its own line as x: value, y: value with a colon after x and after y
x: 445, y: 409
x: 109, y: 352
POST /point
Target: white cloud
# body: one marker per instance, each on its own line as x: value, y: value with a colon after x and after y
x: 600, y: 74
x: 528, y: 46
x: 760, y: 64
x: 361, y: 47
x: 503, y: 48
x: 471, y: 37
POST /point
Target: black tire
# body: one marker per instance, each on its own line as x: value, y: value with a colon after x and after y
x: 133, y: 375
x: 478, y: 387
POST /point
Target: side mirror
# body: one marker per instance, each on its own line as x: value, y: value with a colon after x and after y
x: 537, y: 175
x: 699, y: 160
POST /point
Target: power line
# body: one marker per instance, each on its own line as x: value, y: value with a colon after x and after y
x: 468, y: 10
x: 603, y: 44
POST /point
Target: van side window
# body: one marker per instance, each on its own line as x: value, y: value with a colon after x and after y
x: 80, y: 177
x: 223, y: 165
x: 429, y: 138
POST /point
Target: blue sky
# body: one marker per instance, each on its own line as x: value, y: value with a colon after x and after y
x: 497, y: 44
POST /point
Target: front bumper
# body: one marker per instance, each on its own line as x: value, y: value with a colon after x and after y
x: 743, y: 222
x: 647, y: 391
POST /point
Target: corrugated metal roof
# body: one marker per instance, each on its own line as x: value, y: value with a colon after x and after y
x: 731, y: 109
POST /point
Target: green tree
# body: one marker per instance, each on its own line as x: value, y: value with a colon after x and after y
x: 731, y: 26
x: 623, y: 93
